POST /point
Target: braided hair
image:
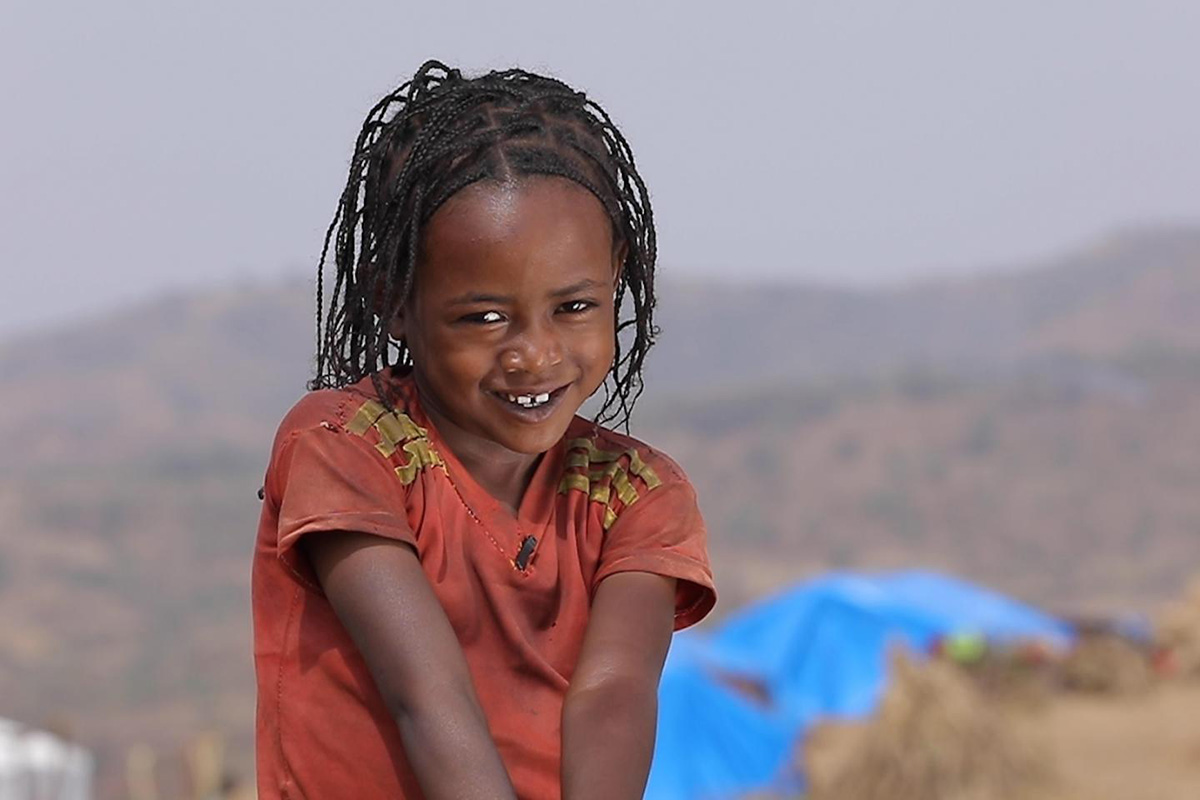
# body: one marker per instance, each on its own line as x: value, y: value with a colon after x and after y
x: 430, y: 138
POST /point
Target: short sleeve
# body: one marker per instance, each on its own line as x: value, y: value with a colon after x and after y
x: 663, y: 533
x: 325, y: 479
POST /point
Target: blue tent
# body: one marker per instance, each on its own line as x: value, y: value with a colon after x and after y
x: 818, y: 649
x: 712, y: 742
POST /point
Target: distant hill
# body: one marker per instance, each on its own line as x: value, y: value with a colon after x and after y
x: 1034, y: 429
x: 1076, y: 493
x: 1133, y: 292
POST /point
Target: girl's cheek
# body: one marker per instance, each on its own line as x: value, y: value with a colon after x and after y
x: 604, y: 355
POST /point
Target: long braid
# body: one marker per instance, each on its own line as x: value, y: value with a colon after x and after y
x: 430, y: 138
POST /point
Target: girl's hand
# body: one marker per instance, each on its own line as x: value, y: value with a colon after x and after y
x: 611, y: 709
x: 384, y: 600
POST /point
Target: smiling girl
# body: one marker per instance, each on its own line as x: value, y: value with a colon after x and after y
x: 461, y: 589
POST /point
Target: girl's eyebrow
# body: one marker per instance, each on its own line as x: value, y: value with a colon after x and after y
x: 471, y: 298
x: 574, y: 288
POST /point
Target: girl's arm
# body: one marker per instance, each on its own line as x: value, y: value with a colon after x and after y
x: 380, y: 593
x: 611, y: 709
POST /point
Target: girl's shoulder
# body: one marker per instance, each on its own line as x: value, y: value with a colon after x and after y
x: 592, y: 449
x: 356, y: 408
x: 356, y: 428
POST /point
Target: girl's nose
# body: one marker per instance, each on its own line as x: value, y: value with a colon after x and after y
x: 532, y: 353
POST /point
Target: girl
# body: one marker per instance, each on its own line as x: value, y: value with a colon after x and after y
x: 461, y: 589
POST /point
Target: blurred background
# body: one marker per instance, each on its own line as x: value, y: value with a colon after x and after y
x: 930, y: 275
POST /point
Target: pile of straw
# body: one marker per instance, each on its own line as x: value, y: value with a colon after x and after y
x: 1023, y: 676
x: 1177, y: 632
x: 934, y: 737
x: 1106, y: 663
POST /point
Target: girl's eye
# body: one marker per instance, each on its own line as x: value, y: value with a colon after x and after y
x: 484, y: 317
x: 577, y: 306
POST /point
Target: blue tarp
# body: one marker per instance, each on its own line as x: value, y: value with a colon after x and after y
x: 816, y: 650
x: 712, y: 742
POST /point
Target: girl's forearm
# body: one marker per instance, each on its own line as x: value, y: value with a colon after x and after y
x: 608, y: 741
x: 451, y: 751
x: 383, y: 598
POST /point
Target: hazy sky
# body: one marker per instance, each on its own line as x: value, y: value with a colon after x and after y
x: 153, y: 144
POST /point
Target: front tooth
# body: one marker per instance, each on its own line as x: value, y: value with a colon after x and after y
x: 543, y: 398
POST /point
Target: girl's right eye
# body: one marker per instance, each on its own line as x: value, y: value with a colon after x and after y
x: 484, y: 317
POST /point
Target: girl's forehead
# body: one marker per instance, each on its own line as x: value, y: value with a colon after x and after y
x: 534, y: 230
x: 504, y: 205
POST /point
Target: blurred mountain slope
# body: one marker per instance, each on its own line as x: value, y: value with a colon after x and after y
x: 1143, y: 282
x: 212, y: 370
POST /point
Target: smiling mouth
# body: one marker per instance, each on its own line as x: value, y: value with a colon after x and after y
x: 533, y: 405
x: 528, y: 400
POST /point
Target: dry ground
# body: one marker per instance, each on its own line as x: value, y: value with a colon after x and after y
x: 935, y: 737
x: 1127, y: 748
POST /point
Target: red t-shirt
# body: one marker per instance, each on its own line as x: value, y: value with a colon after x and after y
x: 517, y: 589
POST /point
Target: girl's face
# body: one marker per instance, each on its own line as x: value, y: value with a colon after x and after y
x: 510, y: 323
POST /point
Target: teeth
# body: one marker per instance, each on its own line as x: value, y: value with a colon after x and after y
x: 529, y: 400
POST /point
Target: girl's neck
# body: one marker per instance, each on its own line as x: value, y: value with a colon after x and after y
x: 502, y: 473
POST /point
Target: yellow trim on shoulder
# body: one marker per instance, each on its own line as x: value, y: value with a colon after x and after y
x: 610, y: 517
x: 603, y: 474
x: 365, y: 417
x: 601, y: 493
x: 643, y: 470
x: 625, y: 490
x: 420, y: 456
x: 396, y: 431
x: 573, y: 480
x: 577, y: 459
